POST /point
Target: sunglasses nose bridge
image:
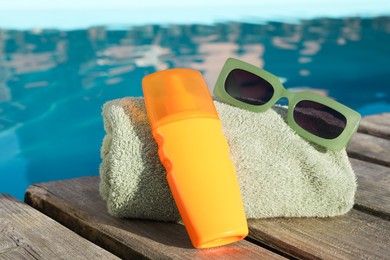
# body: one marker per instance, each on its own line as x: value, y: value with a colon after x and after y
x: 281, y: 97
x: 284, y: 93
x: 284, y: 97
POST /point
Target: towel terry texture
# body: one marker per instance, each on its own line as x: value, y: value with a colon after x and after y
x: 280, y: 174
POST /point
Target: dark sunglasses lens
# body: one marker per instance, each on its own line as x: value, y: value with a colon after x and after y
x: 319, y: 119
x: 248, y: 87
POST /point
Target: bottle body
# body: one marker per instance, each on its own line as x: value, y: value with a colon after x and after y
x: 195, y: 153
x: 203, y: 181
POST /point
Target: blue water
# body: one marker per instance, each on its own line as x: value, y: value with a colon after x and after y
x: 53, y: 83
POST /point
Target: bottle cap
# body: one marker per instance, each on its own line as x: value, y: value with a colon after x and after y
x: 176, y: 94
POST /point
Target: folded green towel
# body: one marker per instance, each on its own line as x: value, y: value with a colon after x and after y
x: 280, y: 174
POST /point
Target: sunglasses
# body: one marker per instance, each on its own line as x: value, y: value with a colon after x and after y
x: 314, y: 117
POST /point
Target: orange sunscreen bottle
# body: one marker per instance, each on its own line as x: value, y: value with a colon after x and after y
x: 195, y: 154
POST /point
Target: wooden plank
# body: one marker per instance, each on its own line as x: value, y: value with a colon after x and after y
x: 370, y: 148
x: 76, y: 204
x: 356, y: 235
x: 377, y: 125
x: 372, y: 142
x: 373, y: 193
x: 16, y: 253
x: 25, y: 233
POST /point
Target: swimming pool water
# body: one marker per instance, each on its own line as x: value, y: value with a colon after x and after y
x: 53, y: 83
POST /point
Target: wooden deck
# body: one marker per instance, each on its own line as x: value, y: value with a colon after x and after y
x: 25, y: 233
x: 363, y: 233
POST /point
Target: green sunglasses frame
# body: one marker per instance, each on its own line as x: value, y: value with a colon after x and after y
x: 335, y: 144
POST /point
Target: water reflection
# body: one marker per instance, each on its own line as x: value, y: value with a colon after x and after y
x: 53, y: 83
